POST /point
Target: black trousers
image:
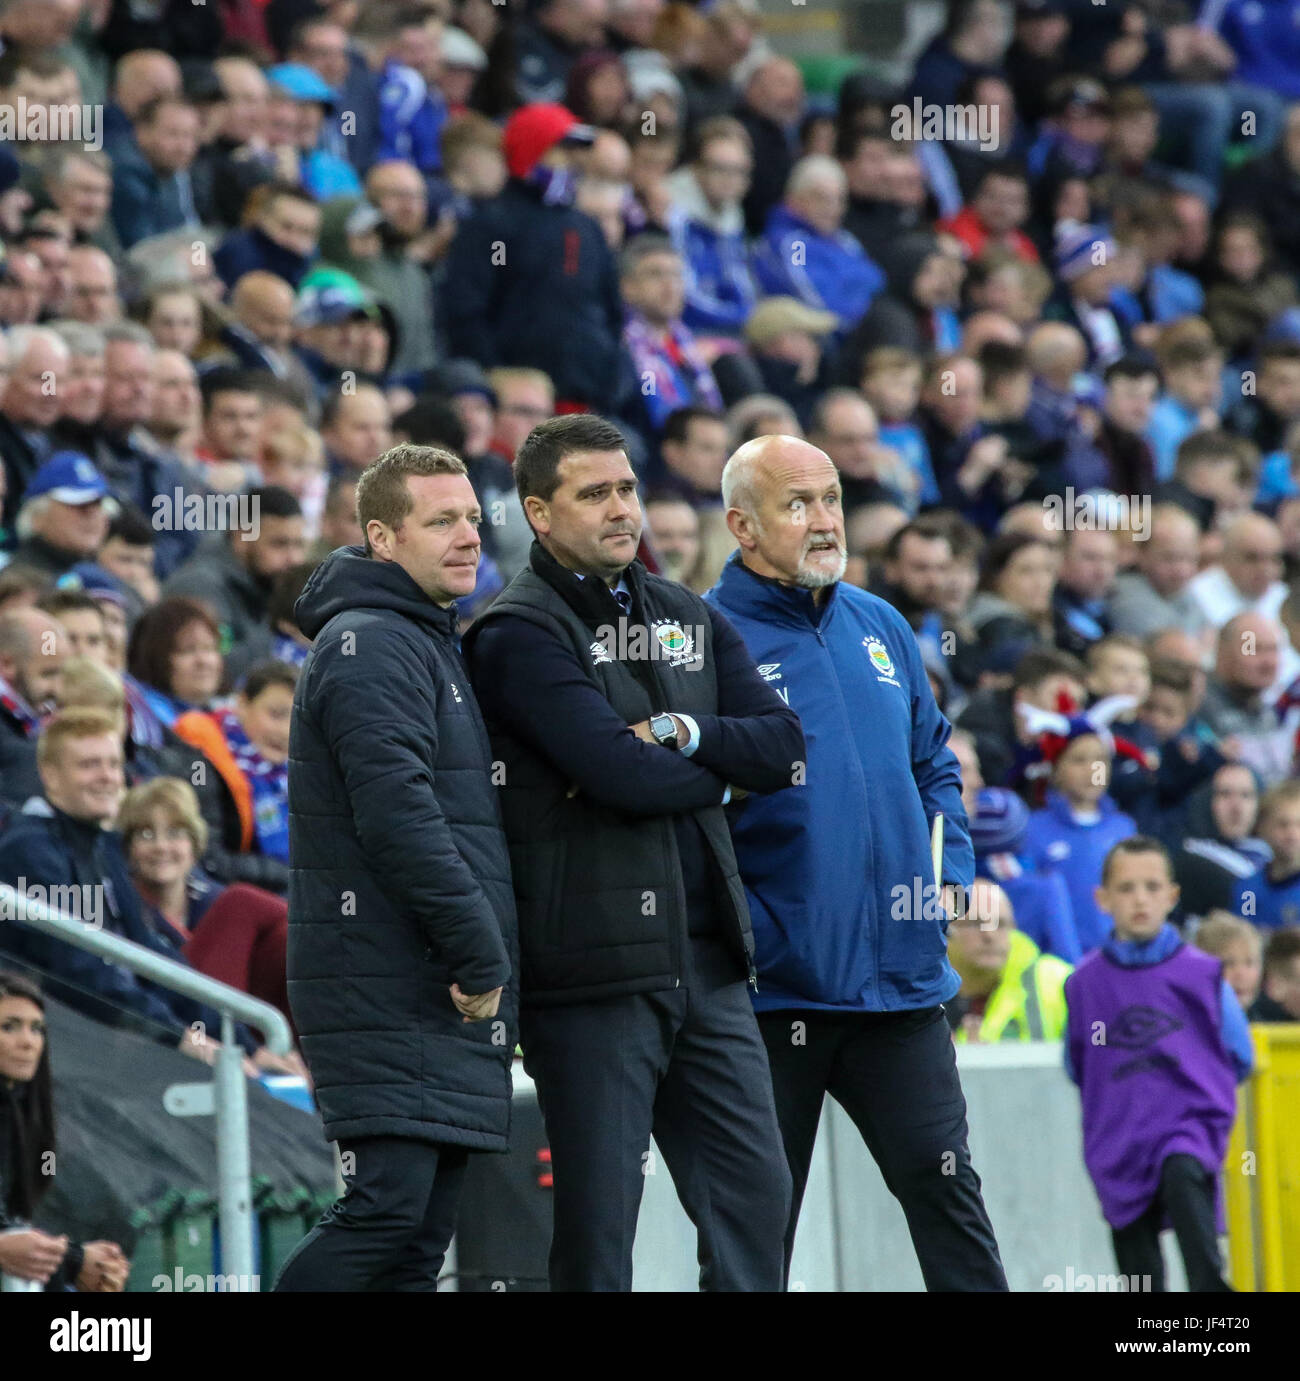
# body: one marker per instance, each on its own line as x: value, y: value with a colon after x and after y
x: 1186, y: 1199
x: 689, y: 1067
x: 895, y: 1074
x: 391, y: 1229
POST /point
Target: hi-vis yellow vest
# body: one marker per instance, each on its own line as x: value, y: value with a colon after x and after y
x: 1029, y: 1003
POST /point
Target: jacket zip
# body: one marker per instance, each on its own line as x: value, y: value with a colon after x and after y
x: 866, y: 818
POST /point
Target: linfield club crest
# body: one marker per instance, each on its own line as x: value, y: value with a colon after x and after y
x: 879, y: 654
x: 672, y: 638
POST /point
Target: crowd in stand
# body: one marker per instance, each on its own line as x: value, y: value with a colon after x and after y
x: 1054, y: 352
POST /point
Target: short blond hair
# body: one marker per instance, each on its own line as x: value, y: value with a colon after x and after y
x: 1276, y: 798
x: 72, y: 724
x: 1222, y: 929
x: 86, y: 685
x: 175, y: 798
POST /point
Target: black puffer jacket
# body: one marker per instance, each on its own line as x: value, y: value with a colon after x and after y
x: 399, y: 880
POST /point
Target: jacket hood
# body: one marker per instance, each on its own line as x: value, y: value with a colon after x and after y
x: 349, y: 579
x: 902, y: 259
x: 690, y: 202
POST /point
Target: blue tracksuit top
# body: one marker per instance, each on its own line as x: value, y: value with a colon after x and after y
x: 1266, y: 903
x: 837, y: 869
x: 1056, y: 842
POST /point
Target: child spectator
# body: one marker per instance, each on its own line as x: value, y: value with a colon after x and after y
x: 1080, y: 823
x: 1280, y: 998
x: 249, y: 748
x: 1159, y: 1091
x: 1238, y: 947
x: 1188, y: 752
x: 1271, y: 897
x: 1192, y: 366
x: 891, y: 383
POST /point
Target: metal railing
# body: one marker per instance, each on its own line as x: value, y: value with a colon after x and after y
x: 230, y: 1095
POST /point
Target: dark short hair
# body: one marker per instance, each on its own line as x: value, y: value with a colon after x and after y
x: 1007, y: 168
x: 432, y: 420
x: 1041, y: 662
x: 129, y: 525
x: 1136, y: 844
x: 382, y: 489
x: 1278, y: 352
x: 537, y: 466
x: 927, y: 528
x: 1001, y: 360
x: 59, y: 602
x: 678, y: 426
x: 1132, y: 367
x: 274, y: 501
x: 1206, y: 446
x: 228, y: 381
x: 150, y: 111
x: 1281, y: 949
x: 272, y: 672
x: 149, y: 654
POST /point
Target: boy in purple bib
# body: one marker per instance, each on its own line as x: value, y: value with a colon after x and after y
x: 1157, y: 1043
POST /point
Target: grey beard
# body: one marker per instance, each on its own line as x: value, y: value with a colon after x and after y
x: 817, y: 580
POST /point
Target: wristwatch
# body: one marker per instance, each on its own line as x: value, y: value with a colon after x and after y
x: 663, y: 727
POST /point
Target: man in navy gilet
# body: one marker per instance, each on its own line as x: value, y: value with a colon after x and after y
x: 624, y: 714
x: 849, y: 926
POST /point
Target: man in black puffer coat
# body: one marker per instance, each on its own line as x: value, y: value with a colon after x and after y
x: 402, y: 935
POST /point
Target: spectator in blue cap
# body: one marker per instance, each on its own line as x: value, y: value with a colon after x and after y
x: 329, y: 320
x: 320, y: 172
x: 63, y: 519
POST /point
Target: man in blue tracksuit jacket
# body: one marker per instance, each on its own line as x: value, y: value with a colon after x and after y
x: 850, y: 936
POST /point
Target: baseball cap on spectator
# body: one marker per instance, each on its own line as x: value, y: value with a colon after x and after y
x: 460, y: 50
x: 774, y: 316
x: 1076, y: 247
x: 95, y: 581
x: 533, y: 129
x: 328, y: 296
x: 1083, y: 94
x: 68, y: 477
x: 299, y: 81
x: 362, y: 219
x: 454, y: 377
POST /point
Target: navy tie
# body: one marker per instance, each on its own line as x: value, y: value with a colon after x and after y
x: 624, y: 600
